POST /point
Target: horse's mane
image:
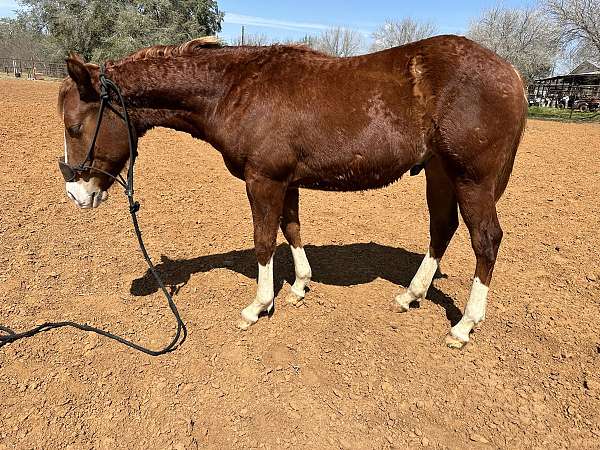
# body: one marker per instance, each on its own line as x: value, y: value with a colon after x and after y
x: 194, y: 47
x: 165, y: 51
x: 156, y: 51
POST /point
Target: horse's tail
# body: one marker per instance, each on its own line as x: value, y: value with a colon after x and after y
x: 506, y: 170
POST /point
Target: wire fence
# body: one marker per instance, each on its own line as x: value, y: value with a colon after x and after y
x: 32, y: 69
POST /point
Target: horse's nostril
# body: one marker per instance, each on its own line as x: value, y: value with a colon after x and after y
x: 70, y: 196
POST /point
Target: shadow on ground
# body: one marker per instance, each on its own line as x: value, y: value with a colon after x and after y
x: 339, y: 265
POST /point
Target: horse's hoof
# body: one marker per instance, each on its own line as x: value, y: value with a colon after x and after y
x: 246, y: 321
x: 398, y: 308
x: 453, y: 342
x: 243, y: 324
x: 293, y: 299
x: 402, y: 302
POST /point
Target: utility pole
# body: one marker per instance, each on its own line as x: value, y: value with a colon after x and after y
x: 243, y: 34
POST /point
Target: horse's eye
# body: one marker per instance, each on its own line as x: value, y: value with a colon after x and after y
x: 74, y: 130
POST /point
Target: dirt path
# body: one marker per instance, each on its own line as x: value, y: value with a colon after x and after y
x: 342, y: 371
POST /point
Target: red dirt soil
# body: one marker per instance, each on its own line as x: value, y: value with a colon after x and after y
x: 341, y: 371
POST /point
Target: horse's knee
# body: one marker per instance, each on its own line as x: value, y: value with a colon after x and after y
x: 264, y: 250
x: 441, y: 234
x: 486, y: 240
x: 496, y: 236
x: 291, y: 232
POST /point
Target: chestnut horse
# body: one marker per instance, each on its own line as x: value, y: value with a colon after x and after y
x: 287, y: 117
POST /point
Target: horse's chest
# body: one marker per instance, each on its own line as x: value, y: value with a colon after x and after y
x: 235, y: 165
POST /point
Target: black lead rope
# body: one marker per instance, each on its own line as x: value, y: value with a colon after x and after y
x: 69, y: 173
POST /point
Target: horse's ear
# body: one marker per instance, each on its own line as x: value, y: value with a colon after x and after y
x: 80, y: 74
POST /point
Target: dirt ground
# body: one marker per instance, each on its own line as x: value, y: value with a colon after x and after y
x: 341, y: 371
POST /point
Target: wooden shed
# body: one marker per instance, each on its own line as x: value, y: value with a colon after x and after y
x: 581, y: 82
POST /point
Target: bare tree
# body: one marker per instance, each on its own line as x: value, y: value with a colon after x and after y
x: 309, y: 40
x: 524, y: 37
x: 395, y: 33
x: 339, y: 41
x: 574, y: 54
x: 252, y: 40
x: 579, y: 24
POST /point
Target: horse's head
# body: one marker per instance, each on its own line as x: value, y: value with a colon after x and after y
x: 79, y: 101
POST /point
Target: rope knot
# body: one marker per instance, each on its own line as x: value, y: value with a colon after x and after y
x: 134, y: 208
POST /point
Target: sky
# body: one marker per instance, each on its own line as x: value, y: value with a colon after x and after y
x: 281, y: 20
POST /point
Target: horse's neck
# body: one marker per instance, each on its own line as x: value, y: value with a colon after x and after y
x: 145, y: 119
x: 179, y: 93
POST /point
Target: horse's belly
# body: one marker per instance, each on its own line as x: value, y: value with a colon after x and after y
x: 353, y: 178
x: 373, y: 160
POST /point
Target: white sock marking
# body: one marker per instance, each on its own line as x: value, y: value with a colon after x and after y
x: 264, y: 294
x: 420, y: 282
x: 474, y: 311
x: 303, y: 271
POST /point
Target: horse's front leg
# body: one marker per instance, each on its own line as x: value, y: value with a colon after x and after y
x: 266, y: 198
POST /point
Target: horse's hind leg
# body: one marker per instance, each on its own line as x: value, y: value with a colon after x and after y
x: 478, y: 209
x: 443, y: 221
x: 266, y: 198
x: 290, y: 225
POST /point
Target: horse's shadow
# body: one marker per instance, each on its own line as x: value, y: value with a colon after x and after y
x: 339, y: 265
